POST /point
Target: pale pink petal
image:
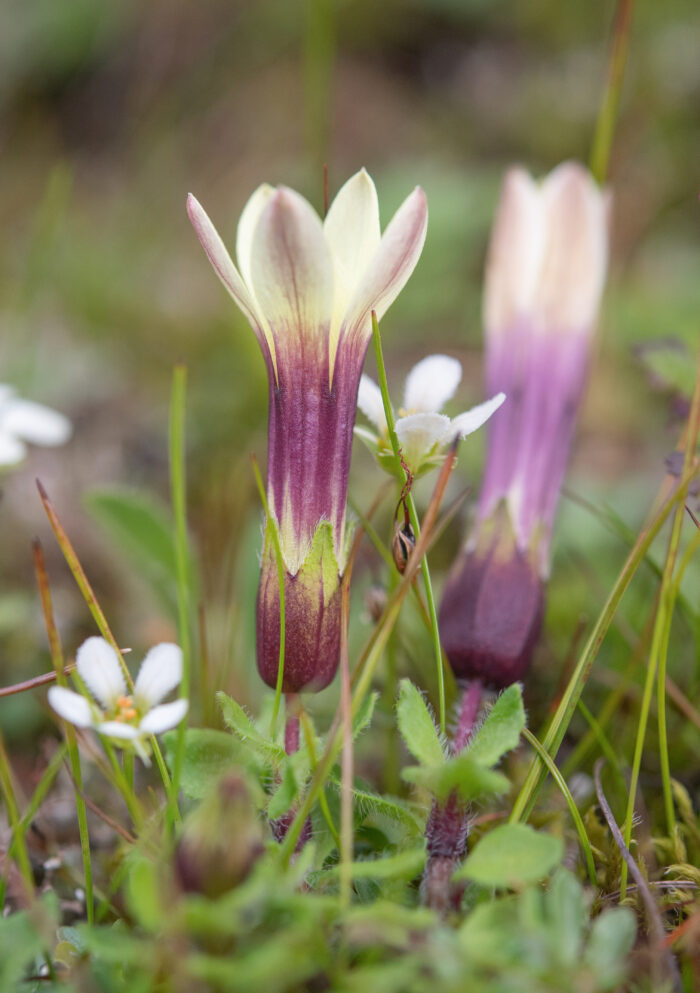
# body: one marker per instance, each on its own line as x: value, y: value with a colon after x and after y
x: 431, y: 383
x: 162, y: 718
x: 515, y: 252
x: 35, y: 423
x: 472, y: 420
x: 72, y: 707
x: 246, y: 228
x: 353, y: 233
x: 369, y: 400
x: 292, y: 271
x: 575, y: 216
x: 387, y: 273
x: 100, y: 670
x: 160, y: 672
x: 220, y: 259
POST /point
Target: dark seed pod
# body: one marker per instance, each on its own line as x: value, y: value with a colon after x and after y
x: 402, y: 545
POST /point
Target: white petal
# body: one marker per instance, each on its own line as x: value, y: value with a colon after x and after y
x: 418, y: 435
x: 220, y: 259
x: 100, y: 670
x: 246, y: 228
x: 162, y: 718
x: 471, y: 420
x: 515, y: 252
x: 12, y: 450
x: 115, y: 729
x: 353, y: 233
x: 71, y: 706
x: 292, y: 272
x: 34, y: 422
x: 369, y: 400
x: 575, y: 215
x: 160, y: 672
x: 393, y: 262
x: 431, y: 383
x: 6, y: 391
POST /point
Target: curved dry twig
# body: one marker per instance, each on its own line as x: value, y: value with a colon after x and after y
x: 655, y: 922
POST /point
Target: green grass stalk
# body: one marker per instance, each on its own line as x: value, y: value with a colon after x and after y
x: 574, y: 689
x: 570, y: 802
x: 607, y: 116
x: 178, y: 496
x: 432, y: 610
x: 58, y: 661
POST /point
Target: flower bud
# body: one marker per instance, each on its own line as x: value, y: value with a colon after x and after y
x: 544, y: 279
x: 221, y: 840
x: 491, y: 612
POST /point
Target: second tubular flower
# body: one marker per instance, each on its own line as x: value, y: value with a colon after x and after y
x: 308, y: 288
x: 545, y: 274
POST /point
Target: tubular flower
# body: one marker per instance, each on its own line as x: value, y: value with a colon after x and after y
x: 308, y: 288
x: 544, y: 279
x: 112, y: 710
x: 22, y: 421
x: 422, y: 431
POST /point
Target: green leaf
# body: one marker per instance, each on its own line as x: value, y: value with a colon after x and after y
x: 566, y: 914
x: 611, y: 940
x: 285, y: 794
x: 363, y: 717
x: 236, y: 718
x: 511, y: 856
x: 417, y: 726
x: 20, y: 943
x: 208, y: 754
x: 403, y: 865
x: 367, y: 802
x: 143, y: 891
x: 461, y: 774
x: 140, y: 527
x: 501, y: 730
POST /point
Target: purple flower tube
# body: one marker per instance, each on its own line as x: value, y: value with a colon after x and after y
x: 544, y: 279
x: 308, y: 289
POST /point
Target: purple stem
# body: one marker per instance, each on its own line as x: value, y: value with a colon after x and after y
x: 281, y: 825
x: 468, y: 713
x: 448, y: 823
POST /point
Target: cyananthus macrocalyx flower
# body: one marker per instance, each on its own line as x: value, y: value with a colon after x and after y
x: 23, y: 421
x: 127, y: 717
x: 422, y: 431
x: 545, y: 274
x: 308, y: 288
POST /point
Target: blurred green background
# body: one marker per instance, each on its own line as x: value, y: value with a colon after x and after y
x: 111, y: 112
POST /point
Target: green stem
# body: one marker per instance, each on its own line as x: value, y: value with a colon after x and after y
x: 605, y: 746
x: 570, y: 802
x: 323, y: 802
x: 607, y: 116
x: 13, y: 817
x: 58, y: 661
x: 178, y: 495
x: 574, y: 689
x: 432, y: 610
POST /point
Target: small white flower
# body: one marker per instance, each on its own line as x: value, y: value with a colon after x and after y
x: 23, y: 421
x: 128, y: 717
x: 423, y: 432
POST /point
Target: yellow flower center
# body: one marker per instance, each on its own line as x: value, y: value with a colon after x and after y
x: 125, y: 710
